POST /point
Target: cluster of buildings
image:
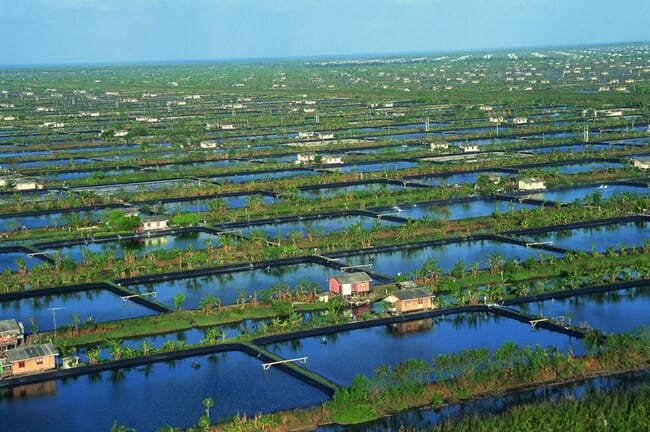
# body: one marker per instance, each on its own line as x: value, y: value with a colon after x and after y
x: 18, y: 358
x: 407, y: 298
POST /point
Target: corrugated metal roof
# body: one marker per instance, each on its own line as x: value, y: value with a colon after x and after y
x: 9, y: 326
x: 348, y: 278
x: 413, y: 293
x: 31, y: 351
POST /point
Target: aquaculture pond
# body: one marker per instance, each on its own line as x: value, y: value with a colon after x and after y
x: 203, y: 205
x: 341, y: 356
x: 368, y: 188
x: 85, y: 174
x: 596, y: 238
x: 318, y: 226
x: 16, y: 260
x: 14, y: 222
x: 583, y: 167
x: 139, y: 246
x: 580, y: 193
x: 151, y: 396
x: 229, y: 287
x: 404, y: 261
x: 136, y: 186
x: 619, y: 311
x: 265, y: 175
x: 48, y: 162
x: 461, y: 210
x: 379, y: 166
x: 454, y: 179
x: 98, y: 305
x: 570, y: 148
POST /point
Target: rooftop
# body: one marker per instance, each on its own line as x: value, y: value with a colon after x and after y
x: 31, y: 351
x: 348, y: 278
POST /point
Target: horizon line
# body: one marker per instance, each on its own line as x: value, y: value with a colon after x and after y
x: 289, y: 58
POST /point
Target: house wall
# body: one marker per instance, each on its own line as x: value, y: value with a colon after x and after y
x: 33, y: 365
x: 362, y: 287
x: 411, y: 305
x: 334, y: 286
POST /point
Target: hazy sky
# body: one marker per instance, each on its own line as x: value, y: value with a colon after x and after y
x: 82, y: 31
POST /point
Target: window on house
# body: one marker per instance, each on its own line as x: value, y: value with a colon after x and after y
x: 420, y: 301
x: 21, y: 364
x: 39, y: 360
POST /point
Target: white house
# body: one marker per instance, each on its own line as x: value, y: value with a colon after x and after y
x: 531, y: 184
x: 466, y: 148
x: 519, y: 120
x: 643, y: 164
x: 209, y: 144
x: 153, y: 223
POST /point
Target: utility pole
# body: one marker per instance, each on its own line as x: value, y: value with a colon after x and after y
x: 54, y: 309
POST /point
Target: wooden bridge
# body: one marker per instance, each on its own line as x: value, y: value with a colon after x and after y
x: 152, y: 294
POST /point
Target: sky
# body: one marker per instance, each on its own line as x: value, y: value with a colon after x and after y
x: 109, y: 31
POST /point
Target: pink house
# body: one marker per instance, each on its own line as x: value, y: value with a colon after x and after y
x: 350, y: 284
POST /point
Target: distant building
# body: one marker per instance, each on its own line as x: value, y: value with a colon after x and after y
x: 208, y: 144
x: 348, y: 284
x: 466, y: 148
x: 18, y: 183
x: 12, y: 334
x: 410, y: 300
x: 531, y: 184
x: 643, y: 164
x: 153, y: 223
x: 519, y: 120
x: 28, y: 359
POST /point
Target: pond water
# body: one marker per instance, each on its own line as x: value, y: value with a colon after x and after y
x: 360, y: 352
x: 579, y: 193
x: 619, y: 311
x: 140, y: 245
x: 404, y: 261
x: 571, y: 148
x: 462, y: 210
x: 49, y: 162
x: 100, y: 305
x: 460, y: 178
x: 10, y: 260
x: 202, y: 205
x: 484, y: 141
x: 597, y: 238
x: 149, y: 397
x: 583, y: 167
x: 369, y: 188
x: 86, y: 174
x: 317, y: 226
x: 379, y: 166
x: 266, y: 175
x: 136, y: 186
x: 228, y: 287
x: 40, y: 221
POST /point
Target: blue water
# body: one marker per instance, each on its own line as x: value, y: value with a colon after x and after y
x: 584, y: 167
x: 464, y: 210
x: 243, y: 178
x: 317, y: 226
x: 380, y: 166
x: 619, y: 311
x: 139, y: 246
x: 149, y: 397
x: 360, y: 352
x: 580, y: 193
x: 10, y: 260
x: 405, y: 261
x: 597, y: 238
x: 236, y: 201
x: 99, y: 305
x: 228, y: 287
x: 371, y: 188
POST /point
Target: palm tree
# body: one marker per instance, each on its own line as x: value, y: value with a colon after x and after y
x: 208, y: 403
